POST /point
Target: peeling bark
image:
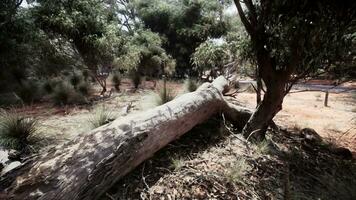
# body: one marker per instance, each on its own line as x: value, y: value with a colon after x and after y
x: 90, y: 164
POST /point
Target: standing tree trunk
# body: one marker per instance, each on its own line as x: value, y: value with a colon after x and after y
x: 89, y: 165
x: 259, y: 88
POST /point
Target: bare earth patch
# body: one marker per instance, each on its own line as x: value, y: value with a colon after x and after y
x: 337, y: 122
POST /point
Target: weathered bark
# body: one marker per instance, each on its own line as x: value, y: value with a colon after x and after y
x: 89, y: 165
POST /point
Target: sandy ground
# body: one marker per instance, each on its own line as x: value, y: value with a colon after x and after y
x: 337, y: 122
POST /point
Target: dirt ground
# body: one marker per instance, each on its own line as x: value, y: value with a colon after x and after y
x: 211, y: 162
x: 337, y: 122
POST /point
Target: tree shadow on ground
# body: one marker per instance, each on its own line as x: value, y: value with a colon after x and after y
x: 167, y: 159
x: 302, y: 170
x: 291, y: 168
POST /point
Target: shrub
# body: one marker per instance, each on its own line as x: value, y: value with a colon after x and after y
x: 84, y: 88
x: 75, y: 79
x: 136, y: 78
x: 62, y: 93
x: 190, y: 85
x: 177, y: 163
x: 116, y: 79
x: 161, y: 97
x: 165, y: 95
x: 236, y: 172
x: 15, y: 130
x: 101, y: 117
x: 49, y: 85
x: 28, y: 91
x: 9, y: 99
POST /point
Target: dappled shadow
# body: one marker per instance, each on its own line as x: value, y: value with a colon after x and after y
x: 305, y: 171
x: 148, y: 173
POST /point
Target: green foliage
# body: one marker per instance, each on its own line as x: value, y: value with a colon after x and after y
x: 84, y: 88
x: 237, y: 171
x: 190, y: 85
x: 88, y: 24
x: 64, y: 93
x: 166, y: 94
x: 15, y: 130
x: 49, y: 85
x: 136, y: 78
x: 101, y: 117
x: 28, y: 91
x: 209, y: 55
x: 183, y: 25
x: 307, y: 37
x: 143, y: 52
x: 116, y: 79
x: 162, y: 96
x: 177, y: 163
x: 75, y: 79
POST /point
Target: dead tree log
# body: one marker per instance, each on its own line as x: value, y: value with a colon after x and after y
x: 89, y: 165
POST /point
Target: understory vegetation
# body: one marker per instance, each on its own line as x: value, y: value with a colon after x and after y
x: 15, y: 130
x: 68, y: 67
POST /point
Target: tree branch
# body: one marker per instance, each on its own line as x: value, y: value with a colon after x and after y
x: 250, y: 30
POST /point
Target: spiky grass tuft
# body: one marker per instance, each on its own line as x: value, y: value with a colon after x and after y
x: 101, y: 117
x: 235, y: 173
x: 161, y: 97
x: 15, y: 130
x: 190, y: 85
x: 116, y: 79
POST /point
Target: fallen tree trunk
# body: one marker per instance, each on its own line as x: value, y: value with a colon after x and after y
x: 89, y: 165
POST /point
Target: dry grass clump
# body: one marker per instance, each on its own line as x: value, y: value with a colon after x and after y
x: 15, y: 130
x: 101, y: 117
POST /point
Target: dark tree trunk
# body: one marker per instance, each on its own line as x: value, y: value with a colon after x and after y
x: 259, y: 89
x: 258, y: 123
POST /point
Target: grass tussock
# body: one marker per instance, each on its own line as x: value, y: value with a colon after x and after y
x: 237, y: 170
x: 136, y: 78
x: 64, y: 94
x: 177, y: 163
x: 28, y: 91
x: 15, y: 130
x: 190, y: 85
x: 153, y: 99
x: 101, y: 117
x: 116, y: 80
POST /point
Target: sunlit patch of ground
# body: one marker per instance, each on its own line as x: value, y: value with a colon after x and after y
x: 336, y: 122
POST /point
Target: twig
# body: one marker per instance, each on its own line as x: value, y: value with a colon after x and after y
x: 109, y: 196
x: 227, y: 128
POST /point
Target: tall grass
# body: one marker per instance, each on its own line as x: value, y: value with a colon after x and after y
x: 116, y: 79
x: 101, y: 117
x: 190, y: 85
x: 162, y: 96
x: 136, y: 79
x: 15, y: 130
x: 64, y: 94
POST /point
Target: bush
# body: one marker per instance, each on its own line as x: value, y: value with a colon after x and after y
x: 9, y: 99
x: 84, y: 88
x: 49, y: 85
x: 190, y: 85
x: 101, y: 117
x: 75, y: 79
x: 136, y: 78
x: 15, y: 130
x: 165, y: 95
x: 28, y: 91
x: 116, y: 79
x: 62, y: 93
